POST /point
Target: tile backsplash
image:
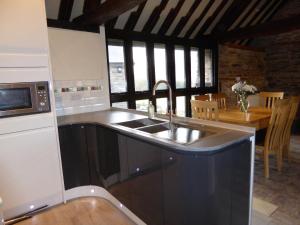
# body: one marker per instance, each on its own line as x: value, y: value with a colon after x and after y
x: 79, y: 96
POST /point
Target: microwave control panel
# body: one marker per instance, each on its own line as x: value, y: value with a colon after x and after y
x: 42, y: 94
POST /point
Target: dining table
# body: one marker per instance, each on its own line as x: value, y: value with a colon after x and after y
x: 257, y: 117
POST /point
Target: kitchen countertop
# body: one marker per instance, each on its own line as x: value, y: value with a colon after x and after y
x: 224, y: 134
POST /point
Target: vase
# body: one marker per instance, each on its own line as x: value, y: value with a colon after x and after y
x: 244, y: 104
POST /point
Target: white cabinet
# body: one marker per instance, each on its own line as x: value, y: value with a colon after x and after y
x: 29, y: 171
x: 23, y: 33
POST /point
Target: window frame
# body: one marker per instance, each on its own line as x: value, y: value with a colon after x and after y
x: 131, y: 96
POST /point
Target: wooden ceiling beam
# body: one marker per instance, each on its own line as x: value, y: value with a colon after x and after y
x: 65, y: 10
x: 211, y: 19
x: 134, y: 17
x: 231, y: 15
x: 186, y: 18
x: 199, y: 19
x: 265, y: 29
x: 155, y: 16
x: 253, y: 7
x: 170, y: 18
x: 90, y: 5
x: 107, y: 11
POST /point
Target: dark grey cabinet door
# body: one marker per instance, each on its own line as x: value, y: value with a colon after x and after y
x: 74, y: 156
x: 108, y: 152
x: 93, y: 155
x: 145, y: 181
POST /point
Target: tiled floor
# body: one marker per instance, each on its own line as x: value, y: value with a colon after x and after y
x: 282, y: 189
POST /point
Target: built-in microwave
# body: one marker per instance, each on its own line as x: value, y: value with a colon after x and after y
x: 17, y: 99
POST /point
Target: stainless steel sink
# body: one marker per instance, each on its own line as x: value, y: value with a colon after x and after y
x: 140, y: 123
x: 177, y: 133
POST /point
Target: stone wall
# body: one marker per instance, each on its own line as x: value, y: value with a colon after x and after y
x: 246, y: 63
x: 283, y: 54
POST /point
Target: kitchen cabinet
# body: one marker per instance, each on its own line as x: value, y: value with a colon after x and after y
x: 74, y: 156
x: 162, y: 186
x: 24, y: 39
x: 165, y: 187
x: 89, y: 154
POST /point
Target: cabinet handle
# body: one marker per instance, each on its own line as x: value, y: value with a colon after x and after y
x: 82, y: 127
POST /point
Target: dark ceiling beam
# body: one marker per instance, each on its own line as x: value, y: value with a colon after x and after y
x: 63, y: 24
x: 156, y: 38
x: 231, y: 15
x: 170, y: 18
x: 265, y: 29
x: 107, y: 11
x: 253, y: 7
x: 257, y: 13
x: 186, y: 18
x: 90, y: 5
x: 266, y: 17
x: 199, y: 19
x: 211, y: 19
x: 155, y: 16
x: 134, y: 17
x: 111, y: 23
x: 65, y: 9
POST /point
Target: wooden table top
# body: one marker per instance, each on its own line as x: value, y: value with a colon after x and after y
x: 257, y: 117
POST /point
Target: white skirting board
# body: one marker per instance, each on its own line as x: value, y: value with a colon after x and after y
x: 95, y: 191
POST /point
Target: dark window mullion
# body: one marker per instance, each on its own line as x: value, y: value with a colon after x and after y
x: 188, y: 79
x: 171, y: 70
x: 215, y: 58
x: 129, y: 73
x: 202, y: 67
x: 151, y: 69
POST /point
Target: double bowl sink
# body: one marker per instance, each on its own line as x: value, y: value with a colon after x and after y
x: 175, y: 132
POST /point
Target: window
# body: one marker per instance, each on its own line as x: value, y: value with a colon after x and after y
x: 142, y: 105
x: 162, y: 105
x: 195, y: 69
x: 132, y: 84
x: 122, y: 105
x: 140, y: 66
x: 117, y: 75
x: 208, y: 68
x: 179, y: 68
x: 160, y: 64
x: 180, y: 106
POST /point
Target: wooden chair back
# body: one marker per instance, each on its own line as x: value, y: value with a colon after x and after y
x: 268, y: 99
x: 221, y: 99
x: 202, y: 97
x: 205, y: 110
x: 277, y: 124
x: 294, y: 104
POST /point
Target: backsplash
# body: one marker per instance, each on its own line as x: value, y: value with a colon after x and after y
x: 79, y: 96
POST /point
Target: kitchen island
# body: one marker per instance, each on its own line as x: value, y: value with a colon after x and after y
x: 201, y: 174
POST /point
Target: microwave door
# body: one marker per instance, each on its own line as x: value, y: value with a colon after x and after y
x: 16, y: 101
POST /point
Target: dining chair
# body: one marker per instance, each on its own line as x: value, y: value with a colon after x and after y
x: 268, y: 99
x: 294, y: 104
x: 202, y: 97
x: 275, y: 135
x: 205, y: 110
x: 221, y: 99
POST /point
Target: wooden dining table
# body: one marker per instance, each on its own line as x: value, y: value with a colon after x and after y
x: 257, y: 117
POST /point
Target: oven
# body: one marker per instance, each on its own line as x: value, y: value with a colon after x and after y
x: 17, y: 99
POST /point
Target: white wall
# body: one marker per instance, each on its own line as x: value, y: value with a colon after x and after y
x: 79, y: 60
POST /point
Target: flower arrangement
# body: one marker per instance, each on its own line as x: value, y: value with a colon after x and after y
x: 243, y: 90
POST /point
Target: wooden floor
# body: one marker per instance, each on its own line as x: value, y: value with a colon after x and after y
x: 282, y: 189
x: 84, y: 211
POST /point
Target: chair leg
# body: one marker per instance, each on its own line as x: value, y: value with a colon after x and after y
x: 279, y: 160
x: 266, y: 163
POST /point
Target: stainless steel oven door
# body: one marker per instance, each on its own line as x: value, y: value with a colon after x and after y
x: 18, y: 99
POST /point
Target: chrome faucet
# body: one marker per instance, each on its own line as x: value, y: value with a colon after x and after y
x: 170, y: 102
